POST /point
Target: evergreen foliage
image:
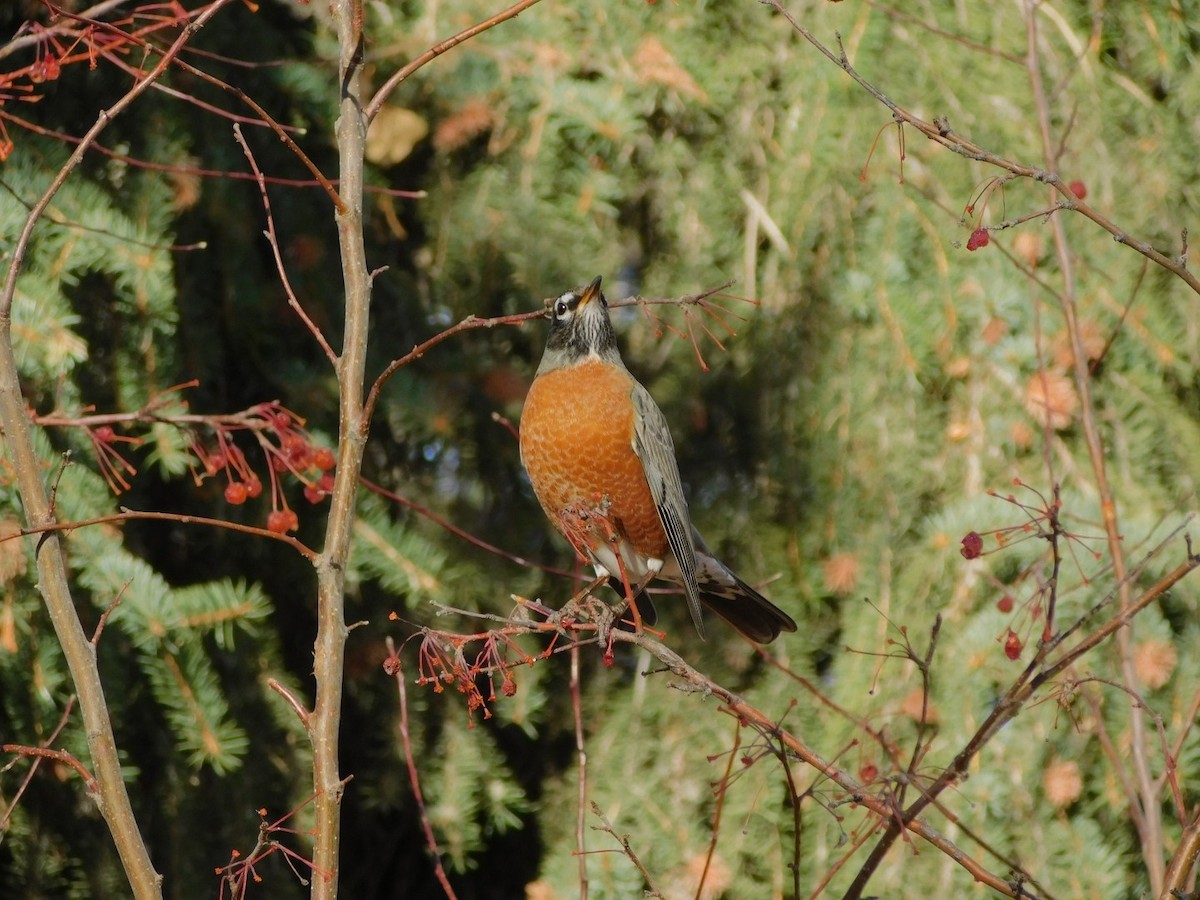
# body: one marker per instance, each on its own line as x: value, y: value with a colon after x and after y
x: 885, y: 397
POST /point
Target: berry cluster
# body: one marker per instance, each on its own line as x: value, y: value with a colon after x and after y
x: 288, y: 448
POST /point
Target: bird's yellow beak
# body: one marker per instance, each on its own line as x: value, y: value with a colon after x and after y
x: 590, y: 293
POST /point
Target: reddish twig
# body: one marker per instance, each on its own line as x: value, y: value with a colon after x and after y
x: 61, y: 756
x: 240, y: 871
x: 264, y: 119
x: 394, y: 667
x: 297, y: 707
x: 467, y: 324
x: 28, y: 779
x: 269, y: 233
x: 449, y: 526
x: 715, y: 831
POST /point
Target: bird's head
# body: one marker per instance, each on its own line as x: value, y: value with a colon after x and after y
x: 579, y: 327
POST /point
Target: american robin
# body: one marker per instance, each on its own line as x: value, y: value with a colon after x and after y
x: 601, y: 461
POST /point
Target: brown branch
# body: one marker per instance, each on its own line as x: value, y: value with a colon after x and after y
x: 437, y: 50
x: 152, y: 166
x: 329, y: 650
x: 467, y: 324
x: 1183, y: 860
x: 472, y: 322
x: 693, y: 680
x: 1151, y: 832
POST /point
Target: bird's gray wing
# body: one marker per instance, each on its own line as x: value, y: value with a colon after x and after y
x: 652, y: 443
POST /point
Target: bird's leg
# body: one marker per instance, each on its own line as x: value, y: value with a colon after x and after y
x: 588, y: 525
x: 577, y: 522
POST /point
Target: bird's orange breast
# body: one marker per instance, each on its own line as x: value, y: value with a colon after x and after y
x: 577, y: 445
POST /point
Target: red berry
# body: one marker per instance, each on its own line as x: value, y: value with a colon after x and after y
x: 253, y: 487
x: 104, y: 434
x: 325, y: 483
x: 236, y: 493
x: 281, y: 521
x: 972, y: 546
x: 1078, y: 188
x: 1005, y: 604
x: 979, y: 238
x: 867, y: 772
x: 1013, y: 645
x: 313, y: 494
x: 214, y: 462
x: 324, y: 460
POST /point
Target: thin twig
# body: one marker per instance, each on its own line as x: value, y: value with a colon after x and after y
x: 28, y: 779
x: 127, y: 514
x: 437, y: 50
x: 61, y: 756
x: 264, y: 117
x: 1151, y: 835
x: 396, y: 669
x: 626, y: 848
x: 722, y: 787
x: 269, y: 234
x: 294, y: 702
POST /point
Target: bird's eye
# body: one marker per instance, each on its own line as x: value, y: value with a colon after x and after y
x: 560, y: 308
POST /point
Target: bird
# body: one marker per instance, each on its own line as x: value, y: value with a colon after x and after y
x: 600, y: 458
